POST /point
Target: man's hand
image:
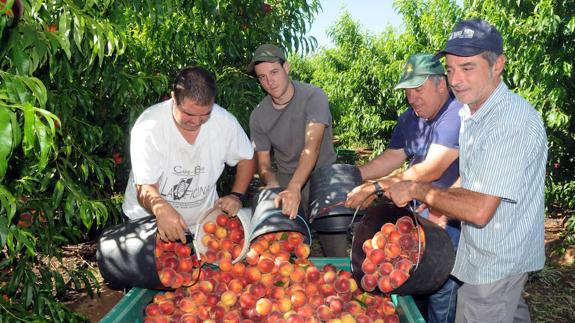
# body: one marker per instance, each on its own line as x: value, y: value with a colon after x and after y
x: 289, y: 200
x: 171, y: 225
x: 362, y: 195
x: 400, y: 193
x: 230, y: 204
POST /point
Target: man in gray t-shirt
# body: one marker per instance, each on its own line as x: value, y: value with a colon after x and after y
x: 294, y: 122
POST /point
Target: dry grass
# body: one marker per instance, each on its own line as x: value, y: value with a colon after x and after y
x: 550, y: 294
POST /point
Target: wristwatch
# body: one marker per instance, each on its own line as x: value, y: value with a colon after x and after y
x: 378, y: 189
x: 241, y: 196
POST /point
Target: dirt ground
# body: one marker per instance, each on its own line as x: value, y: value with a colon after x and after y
x: 95, y: 308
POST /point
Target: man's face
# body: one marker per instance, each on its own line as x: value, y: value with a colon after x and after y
x: 426, y: 100
x: 472, y: 79
x: 189, y: 115
x: 273, y: 77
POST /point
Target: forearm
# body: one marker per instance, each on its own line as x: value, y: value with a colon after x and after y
x: 151, y: 199
x: 306, y: 164
x: 382, y: 165
x: 244, y: 173
x: 457, y: 203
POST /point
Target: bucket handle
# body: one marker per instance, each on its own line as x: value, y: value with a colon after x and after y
x: 413, y: 208
x: 297, y: 216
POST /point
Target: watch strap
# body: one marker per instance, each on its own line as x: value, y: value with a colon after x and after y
x: 378, y: 189
x: 241, y: 196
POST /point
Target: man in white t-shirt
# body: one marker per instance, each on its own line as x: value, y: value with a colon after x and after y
x: 178, y: 150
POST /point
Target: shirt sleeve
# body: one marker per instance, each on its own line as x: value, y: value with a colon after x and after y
x: 239, y: 147
x: 317, y: 108
x: 260, y: 141
x: 446, y: 130
x: 397, y: 138
x: 145, y: 155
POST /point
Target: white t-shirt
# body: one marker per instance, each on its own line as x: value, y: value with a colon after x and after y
x: 186, y: 173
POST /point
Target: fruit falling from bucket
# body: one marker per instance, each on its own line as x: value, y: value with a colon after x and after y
x: 391, y: 254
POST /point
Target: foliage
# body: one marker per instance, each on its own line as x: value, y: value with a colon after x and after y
x: 360, y: 72
x: 74, y: 76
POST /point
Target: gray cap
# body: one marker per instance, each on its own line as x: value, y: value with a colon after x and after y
x: 266, y: 53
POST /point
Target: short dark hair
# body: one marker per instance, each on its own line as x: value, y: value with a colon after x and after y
x: 196, y: 84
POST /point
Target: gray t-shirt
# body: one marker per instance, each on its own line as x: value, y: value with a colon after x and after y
x: 283, y: 131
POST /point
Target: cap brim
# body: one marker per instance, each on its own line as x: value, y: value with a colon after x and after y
x: 413, y: 82
x: 464, y: 51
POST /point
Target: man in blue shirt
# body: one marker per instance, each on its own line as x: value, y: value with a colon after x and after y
x: 500, y: 201
x: 427, y: 135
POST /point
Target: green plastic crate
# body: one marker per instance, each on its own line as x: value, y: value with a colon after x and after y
x: 131, y: 307
x: 345, y: 156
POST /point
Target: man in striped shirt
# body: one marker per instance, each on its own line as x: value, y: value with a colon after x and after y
x: 500, y: 200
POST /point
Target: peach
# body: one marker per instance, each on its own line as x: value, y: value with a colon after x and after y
x: 233, y: 223
x: 347, y: 318
x: 285, y: 269
x: 326, y: 289
x: 275, y: 247
x: 206, y: 286
x: 353, y: 307
x: 384, y: 284
x: 406, y: 242
x: 187, y: 305
x: 227, y: 244
x: 236, y: 235
x: 221, y: 233
x: 253, y: 274
x: 324, y: 313
x: 362, y: 318
x: 188, y: 318
x: 302, y: 251
x: 398, y: 278
x: 263, y: 306
x: 185, y: 264
x: 232, y: 317
x: 329, y: 276
x: 153, y: 309
x: 342, y: 285
x: 220, y: 288
x: 335, y: 303
x: 252, y: 257
x: 404, y: 265
x: 368, y: 282
x: 247, y: 300
x: 257, y: 289
x: 306, y: 311
x: 315, y: 300
x: 209, y: 227
x: 182, y: 250
x: 388, y: 308
x: 236, y: 251
x: 170, y: 262
x: 265, y: 265
x: 206, y: 240
x: 197, y: 297
x: 378, y: 240
x: 368, y: 267
x: 267, y: 280
x: 212, y: 299
x: 391, y: 318
x: 217, y: 313
x: 167, y: 276
x: 235, y: 285
x: 312, y: 274
x: 213, y: 245
x: 366, y: 246
x: 225, y: 265
x: 203, y: 313
x: 377, y: 256
x: 277, y: 292
x: 385, y: 268
x: 298, y: 298
x: 284, y: 304
x: 258, y: 246
x: 222, y: 219
x: 228, y: 298
x: 166, y: 245
x: 404, y: 224
x: 392, y: 250
x: 239, y: 268
x: 297, y: 275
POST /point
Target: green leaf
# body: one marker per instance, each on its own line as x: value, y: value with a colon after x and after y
x: 8, y: 203
x: 6, y: 139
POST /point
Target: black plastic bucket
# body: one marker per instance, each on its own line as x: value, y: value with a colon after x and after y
x: 434, y: 266
x: 126, y: 254
x: 329, y: 186
x: 266, y: 218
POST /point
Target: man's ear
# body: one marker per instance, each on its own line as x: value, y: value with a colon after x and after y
x: 499, y: 64
x: 286, y: 67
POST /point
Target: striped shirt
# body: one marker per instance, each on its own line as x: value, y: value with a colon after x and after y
x: 503, y: 152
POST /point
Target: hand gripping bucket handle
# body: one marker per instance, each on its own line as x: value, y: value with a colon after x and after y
x: 433, y: 268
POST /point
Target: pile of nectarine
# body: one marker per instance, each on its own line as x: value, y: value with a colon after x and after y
x: 224, y: 239
x: 175, y: 264
x: 271, y: 285
x: 391, y: 254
